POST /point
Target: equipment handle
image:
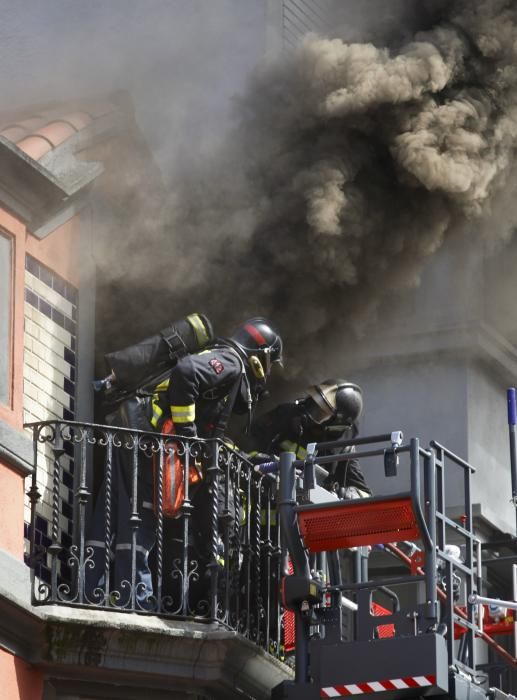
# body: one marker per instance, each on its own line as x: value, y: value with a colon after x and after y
x: 512, y: 409
x: 267, y: 467
x: 510, y: 396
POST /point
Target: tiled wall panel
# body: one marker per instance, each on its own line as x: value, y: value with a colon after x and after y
x: 49, y: 388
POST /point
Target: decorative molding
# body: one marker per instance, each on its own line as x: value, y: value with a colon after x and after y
x: 94, y: 649
x: 20, y: 629
x: 16, y: 449
x: 46, y: 193
x: 475, y: 340
x: 71, y: 209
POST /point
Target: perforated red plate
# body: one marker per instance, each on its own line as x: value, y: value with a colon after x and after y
x: 356, y: 523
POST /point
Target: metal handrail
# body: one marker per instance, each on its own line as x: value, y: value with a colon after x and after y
x: 224, y: 574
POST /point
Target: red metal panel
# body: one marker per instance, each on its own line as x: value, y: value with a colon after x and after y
x: 384, y: 631
x: 289, y: 623
x: 358, y: 523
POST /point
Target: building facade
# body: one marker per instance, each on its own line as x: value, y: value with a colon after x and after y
x: 437, y: 359
x: 438, y: 372
x: 58, y: 163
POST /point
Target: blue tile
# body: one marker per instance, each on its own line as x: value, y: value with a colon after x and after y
x: 59, y: 285
x: 68, y: 448
x: 58, y: 317
x: 45, y: 308
x: 70, y: 325
x: 69, y: 357
x: 45, y: 276
x: 41, y: 524
x: 32, y: 265
x: 67, y: 510
x: 71, y: 294
x: 31, y: 298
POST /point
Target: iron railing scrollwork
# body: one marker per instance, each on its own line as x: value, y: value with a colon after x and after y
x: 218, y: 560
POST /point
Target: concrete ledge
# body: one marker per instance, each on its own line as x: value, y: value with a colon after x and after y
x: 20, y: 626
x: 16, y: 449
x: 475, y: 340
x: 138, y: 650
x: 140, y: 655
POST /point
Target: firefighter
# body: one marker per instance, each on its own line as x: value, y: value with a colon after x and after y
x: 234, y: 369
x: 327, y: 411
x: 203, y: 390
x: 196, y: 400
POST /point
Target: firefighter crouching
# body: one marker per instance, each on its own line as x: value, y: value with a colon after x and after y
x: 326, y: 411
x: 196, y: 400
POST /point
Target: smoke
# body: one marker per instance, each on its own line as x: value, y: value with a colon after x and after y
x: 350, y: 166
x: 346, y: 167
x: 180, y: 61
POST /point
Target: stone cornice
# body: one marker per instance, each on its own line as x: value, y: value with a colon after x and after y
x: 16, y: 449
x: 474, y: 340
x: 94, y: 648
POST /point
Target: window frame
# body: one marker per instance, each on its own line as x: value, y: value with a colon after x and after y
x: 10, y: 317
x: 12, y: 411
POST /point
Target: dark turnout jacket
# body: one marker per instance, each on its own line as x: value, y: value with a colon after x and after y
x: 287, y: 428
x: 197, y: 391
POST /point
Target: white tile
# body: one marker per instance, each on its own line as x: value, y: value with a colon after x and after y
x: 53, y: 328
x: 50, y: 295
x: 27, y: 310
x: 48, y: 387
x: 30, y: 359
x: 51, y: 404
x: 51, y: 354
x: 32, y: 329
x: 54, y: 364
x: 30, y: 390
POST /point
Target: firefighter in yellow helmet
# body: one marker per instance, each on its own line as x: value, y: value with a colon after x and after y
x: 326, y: 411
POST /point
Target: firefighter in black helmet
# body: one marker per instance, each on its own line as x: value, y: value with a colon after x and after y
x: 197, y: 398
x: 228, y: 376
x: 204, y: 389
x: 327, y: 411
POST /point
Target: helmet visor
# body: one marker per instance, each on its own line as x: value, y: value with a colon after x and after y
x: 319, y: 406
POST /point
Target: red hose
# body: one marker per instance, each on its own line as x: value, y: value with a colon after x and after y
x: 482, y: 635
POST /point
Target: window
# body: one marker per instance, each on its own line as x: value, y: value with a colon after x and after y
x: 6, y: 278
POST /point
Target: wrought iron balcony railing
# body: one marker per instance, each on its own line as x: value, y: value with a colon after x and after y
x: 99, y: 535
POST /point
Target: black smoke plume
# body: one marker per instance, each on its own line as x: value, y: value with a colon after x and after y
x: 350, y: 166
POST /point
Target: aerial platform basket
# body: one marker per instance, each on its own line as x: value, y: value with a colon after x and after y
x: 326, y: 527
x: 393, y: 668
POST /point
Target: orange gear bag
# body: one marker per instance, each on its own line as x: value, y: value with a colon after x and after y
x: 173, y: 494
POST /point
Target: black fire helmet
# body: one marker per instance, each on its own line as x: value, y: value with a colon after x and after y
x: 257, y: 338
x: 334, y: 400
